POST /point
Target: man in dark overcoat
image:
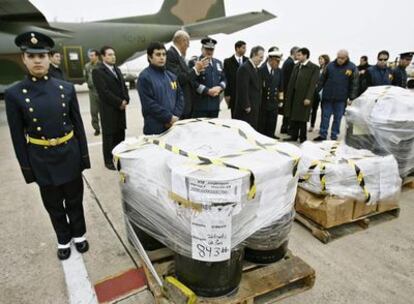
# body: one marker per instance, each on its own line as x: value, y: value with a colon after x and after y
x: 300, y: 95
x: 249, y: 89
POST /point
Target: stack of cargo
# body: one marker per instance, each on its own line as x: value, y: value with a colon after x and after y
x: 207, y: 189
x: 340, y: 183
x: 382, y: 121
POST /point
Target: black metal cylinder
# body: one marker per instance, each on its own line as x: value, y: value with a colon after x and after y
x: 270, y: 244
x: 210, y: 279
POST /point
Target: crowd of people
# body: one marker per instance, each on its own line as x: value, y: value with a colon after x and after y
x: 47, y: 129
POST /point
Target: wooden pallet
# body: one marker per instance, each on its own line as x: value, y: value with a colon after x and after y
x: 326, y: 235
x: 259, y: 284
x: 408, y: 183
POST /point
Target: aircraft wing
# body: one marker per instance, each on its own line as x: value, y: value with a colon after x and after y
x: 20, y: 10
x: 227, y: 25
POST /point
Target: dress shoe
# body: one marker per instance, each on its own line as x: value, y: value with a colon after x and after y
x: 97, y: 132
x: 290, y: 139
x: 82, y: 247
x: 63, y: 253
x: 319, y: 138
x: 310, y: 129
x: 283, y: 131
x: 302, y: 140
x: 276, y: 137
x: 110, y: 166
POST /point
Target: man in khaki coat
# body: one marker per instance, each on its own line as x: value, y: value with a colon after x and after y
x: 93, y: 95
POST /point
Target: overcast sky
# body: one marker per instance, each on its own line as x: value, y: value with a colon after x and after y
x: 364, y: 27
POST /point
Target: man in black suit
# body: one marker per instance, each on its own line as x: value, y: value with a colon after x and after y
x: 287, y: 69
x: 231, y: 65
x: 176, y: 64
x: 54, y: 68
x: 249, y: 89
x: 113, y: 96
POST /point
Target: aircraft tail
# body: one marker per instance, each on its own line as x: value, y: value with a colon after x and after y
x: 180, y: 12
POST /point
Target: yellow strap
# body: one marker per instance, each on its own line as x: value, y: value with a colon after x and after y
x: 191, y: 296
x: 272, y: 147
x: 205, y: 161
x: 51, y: 142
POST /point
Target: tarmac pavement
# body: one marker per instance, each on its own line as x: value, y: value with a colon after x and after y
x: 372, y: 266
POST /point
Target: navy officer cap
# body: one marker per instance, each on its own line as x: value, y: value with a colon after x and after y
x: 34, y: 42
x: 209, y: 43
x: 407, y: 55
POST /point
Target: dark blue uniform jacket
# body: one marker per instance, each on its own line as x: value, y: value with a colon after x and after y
x: 46, y: 108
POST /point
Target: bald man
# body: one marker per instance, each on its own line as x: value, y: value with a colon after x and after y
x: 339, y: 82
x: 176, y: 64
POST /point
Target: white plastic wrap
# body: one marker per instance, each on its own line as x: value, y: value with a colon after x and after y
x: 382, y: 121
x: 188, y: 205
x: 329, y: 164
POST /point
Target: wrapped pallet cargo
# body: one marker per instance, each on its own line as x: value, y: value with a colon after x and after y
x: 202, y: 188
x: 346, y: 183
x: 382, y: 120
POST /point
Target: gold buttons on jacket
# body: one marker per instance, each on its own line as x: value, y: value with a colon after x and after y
x: 46, y: 78
x: 34, y: 119
x: 27, y: 100
x: 63, y: 104
x: 64, y: 114
x: 43, y: 137
x: 64, y: 123
x: 63, y: 96
x: 39, y: 128
x: 24, y: 91
x: 61, y: 87
x: 34, y: 79
x: 31, y: 109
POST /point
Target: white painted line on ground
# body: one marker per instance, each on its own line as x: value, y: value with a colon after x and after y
x: 98, y: 143
x: 79, y: 287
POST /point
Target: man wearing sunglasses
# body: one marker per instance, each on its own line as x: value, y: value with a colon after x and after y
x: 379, y: 74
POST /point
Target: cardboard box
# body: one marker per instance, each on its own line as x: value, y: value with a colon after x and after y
x: 327, y: 211
x: 389, y: 203
x: 361, y: 209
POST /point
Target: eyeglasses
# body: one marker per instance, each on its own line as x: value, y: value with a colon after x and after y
x: 383, y: 59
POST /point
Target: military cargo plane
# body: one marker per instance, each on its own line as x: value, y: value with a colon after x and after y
x: 130, y: 36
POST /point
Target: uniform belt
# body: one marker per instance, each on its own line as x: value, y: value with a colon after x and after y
x: 51, y: 141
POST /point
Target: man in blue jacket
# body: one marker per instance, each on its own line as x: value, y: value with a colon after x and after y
x: 339, y: 82
x: 161, y: 97
x: 209, y: 83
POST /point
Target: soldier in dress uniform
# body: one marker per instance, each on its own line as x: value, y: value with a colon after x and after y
x: 272, y: 92
x: 49, y: 141
x: 399, y: 74
x: 209, y: 83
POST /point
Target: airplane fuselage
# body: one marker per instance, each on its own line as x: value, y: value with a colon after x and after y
x: 126, y: 39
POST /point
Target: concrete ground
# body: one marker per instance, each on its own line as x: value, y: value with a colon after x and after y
x: 372, y: 266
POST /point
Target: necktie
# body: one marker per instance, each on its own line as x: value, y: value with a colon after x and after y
x: 272, y: 72
x: 114, y: 72
x: 240, y: 61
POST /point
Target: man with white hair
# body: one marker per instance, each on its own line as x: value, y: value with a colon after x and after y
x: 176, y: 64
x: 339, y: 82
